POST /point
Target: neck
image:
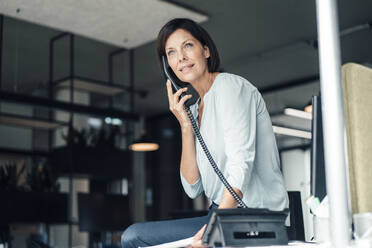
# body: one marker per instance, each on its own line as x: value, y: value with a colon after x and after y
x: 204, y: 83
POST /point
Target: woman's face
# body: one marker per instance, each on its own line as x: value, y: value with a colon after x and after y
x: 186, y: 56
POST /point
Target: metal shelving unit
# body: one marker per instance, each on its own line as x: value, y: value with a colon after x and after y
x: 31, y: 122
x: 74, y: 83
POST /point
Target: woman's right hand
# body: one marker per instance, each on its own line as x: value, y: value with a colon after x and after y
x: 176, y: 105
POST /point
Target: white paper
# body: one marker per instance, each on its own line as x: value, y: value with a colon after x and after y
x: 188, y: 241
x: 322, y: 209
x: 174, y: 244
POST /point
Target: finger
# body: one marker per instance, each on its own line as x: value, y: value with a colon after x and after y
x: 197, y: 244
x: 169, y: 91
x: 176, y: 95
x: 183, y: 100
x: 201, y: 232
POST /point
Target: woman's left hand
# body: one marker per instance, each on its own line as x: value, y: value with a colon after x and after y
x: 197, y: 242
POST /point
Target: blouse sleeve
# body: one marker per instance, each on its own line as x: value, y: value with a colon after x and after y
x: 192, y: 190
x: 236, y: 103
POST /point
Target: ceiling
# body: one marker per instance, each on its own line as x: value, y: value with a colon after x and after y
x: 270, y: 43
x: 128, y: 24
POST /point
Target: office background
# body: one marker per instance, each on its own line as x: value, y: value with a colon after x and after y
x: 273, y: 44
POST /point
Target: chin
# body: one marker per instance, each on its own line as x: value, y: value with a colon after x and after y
x: 188, y: 77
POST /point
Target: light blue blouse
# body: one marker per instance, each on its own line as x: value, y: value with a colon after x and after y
x: 237, y: 130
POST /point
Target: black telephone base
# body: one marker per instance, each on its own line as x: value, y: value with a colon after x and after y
x: 246, y: 227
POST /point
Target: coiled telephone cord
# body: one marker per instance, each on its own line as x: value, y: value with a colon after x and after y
x: 211, y: 160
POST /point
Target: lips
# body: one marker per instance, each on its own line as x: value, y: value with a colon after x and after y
x: 186, y: 68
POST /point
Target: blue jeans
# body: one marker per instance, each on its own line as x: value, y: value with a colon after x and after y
x: 158, y: 232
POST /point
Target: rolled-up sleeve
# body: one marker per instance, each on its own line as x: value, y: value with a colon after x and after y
x: 192, y: 190
x: 236, y: 103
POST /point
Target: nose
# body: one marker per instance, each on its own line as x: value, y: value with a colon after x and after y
x: 182, y: 56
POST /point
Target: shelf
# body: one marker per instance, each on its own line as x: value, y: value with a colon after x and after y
x: 33, y: 207
x: 88, y: 162
x: 31, y: 122
x: 65, y: 106
x: 22, y: 152
x: 285, y: 142
x: 288, y: 121
x: 93, y: 86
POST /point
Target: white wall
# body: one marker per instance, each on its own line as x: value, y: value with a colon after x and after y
x: 296, y: 172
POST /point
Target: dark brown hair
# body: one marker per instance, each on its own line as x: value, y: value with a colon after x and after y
x: 195, y: 30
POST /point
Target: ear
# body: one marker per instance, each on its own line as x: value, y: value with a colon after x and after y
x: 206, y: 52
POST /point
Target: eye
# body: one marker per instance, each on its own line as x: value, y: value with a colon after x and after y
x: 187, y: 45
x: 170, y: 52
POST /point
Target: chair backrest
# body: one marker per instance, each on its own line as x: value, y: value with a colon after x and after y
x: 357, y: 89
x: 296, y: 229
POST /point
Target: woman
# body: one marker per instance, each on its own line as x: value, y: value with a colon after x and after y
x: 235, y: 125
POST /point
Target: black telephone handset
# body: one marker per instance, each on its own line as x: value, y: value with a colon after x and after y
x: 178, y: 84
